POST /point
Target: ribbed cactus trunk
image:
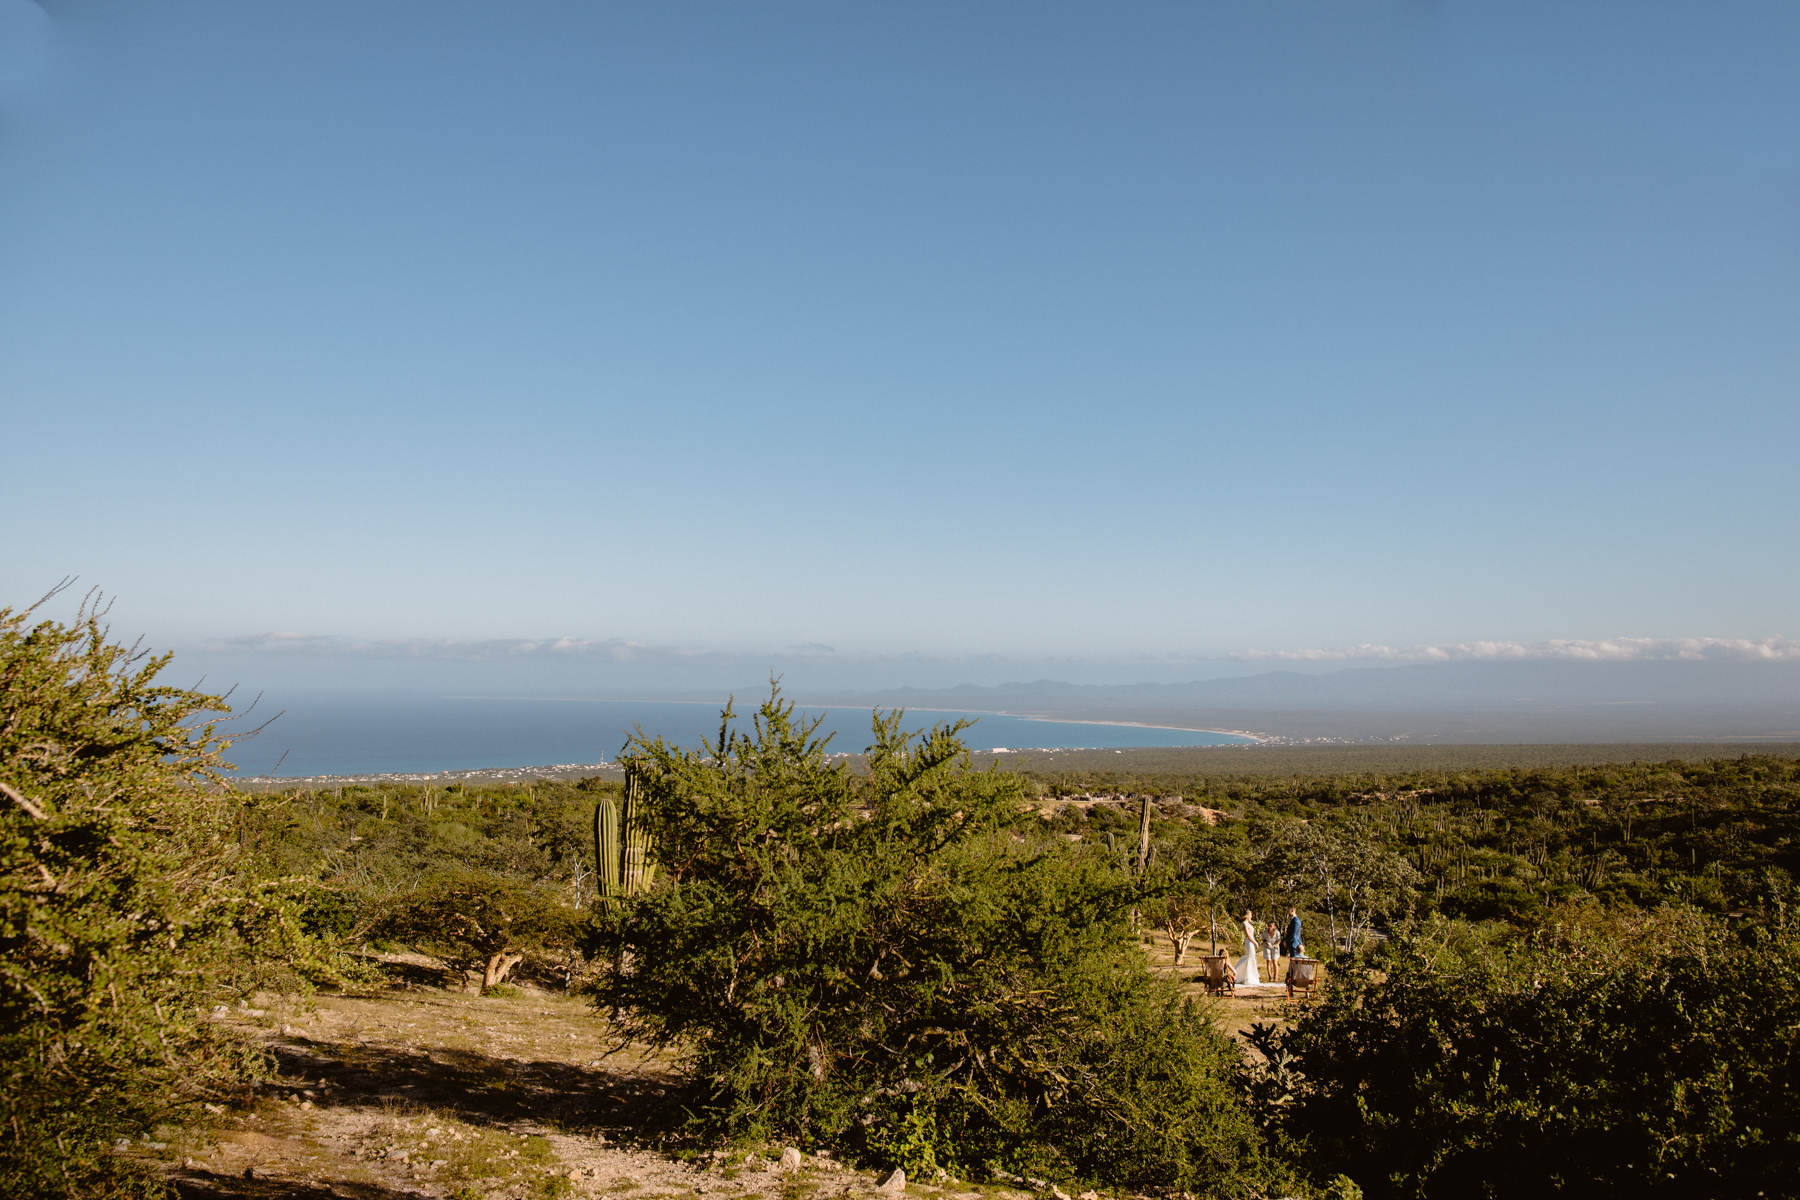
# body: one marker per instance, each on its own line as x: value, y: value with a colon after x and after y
x: 622, y: 843
x: 606, y: 847
x: 636, y: 869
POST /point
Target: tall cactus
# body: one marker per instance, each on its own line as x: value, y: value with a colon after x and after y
x: 606, y: 847
x: 622, y: 844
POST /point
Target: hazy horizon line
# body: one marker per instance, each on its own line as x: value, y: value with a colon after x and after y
x: 1775, y: 649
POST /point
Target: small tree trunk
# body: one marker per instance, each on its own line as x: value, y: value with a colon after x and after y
x: 1143, y: 857
x: 499, y: 966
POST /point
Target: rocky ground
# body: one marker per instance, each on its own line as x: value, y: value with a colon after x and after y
x: 427, y: 1091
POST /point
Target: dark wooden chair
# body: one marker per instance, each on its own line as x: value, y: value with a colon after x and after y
x: 1302, y: 975
x: 1216, y: 974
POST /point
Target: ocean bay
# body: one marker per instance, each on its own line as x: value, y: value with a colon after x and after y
x: 379, y: 733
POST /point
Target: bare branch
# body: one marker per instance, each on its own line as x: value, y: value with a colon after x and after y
x: 249, y: 733
x: 31, y: 807
x: 62, y: 585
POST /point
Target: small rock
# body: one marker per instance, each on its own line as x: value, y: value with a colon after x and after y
x: 1090, y: 1194
x: 249, y: 1172
x: 1040, y: 1184
x: 1057, y: 1193
x: 214, y: 1109
x: 893, y: 1183
x: 790, y: 1159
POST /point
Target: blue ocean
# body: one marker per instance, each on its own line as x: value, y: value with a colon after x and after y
x: 368, y: 734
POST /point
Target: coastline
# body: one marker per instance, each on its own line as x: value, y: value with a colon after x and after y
x: 550, y: 769
x: 979, y: 712
x: 1251, y: 736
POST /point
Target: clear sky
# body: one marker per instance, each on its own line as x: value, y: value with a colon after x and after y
x: 1018, y: 329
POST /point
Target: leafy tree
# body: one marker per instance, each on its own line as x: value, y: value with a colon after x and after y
x: 1181, y: 912
x: 899, y: 962
x: 1207, y: 864
x: 1351, y: 868
x: 120, y: 913
x: 482, y: 921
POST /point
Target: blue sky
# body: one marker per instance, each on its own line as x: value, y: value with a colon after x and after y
x: 1038, y: 331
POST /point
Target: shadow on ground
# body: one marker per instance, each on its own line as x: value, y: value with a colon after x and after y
x: 412, y: 972
x: 206, y: 1185
x: 484, y: 1089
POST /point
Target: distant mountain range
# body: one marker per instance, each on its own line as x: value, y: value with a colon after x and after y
x: 1529, y: 701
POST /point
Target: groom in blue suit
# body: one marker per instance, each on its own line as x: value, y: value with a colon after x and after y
x: 1291, y: 945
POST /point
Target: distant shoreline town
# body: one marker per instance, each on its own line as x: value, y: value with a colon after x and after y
x: 570, y: 771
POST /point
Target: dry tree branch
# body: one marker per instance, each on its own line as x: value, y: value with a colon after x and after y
x: 31, y: 807
x: 62, y: 585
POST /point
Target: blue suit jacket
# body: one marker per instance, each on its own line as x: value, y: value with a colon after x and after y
x: 1290, y: 941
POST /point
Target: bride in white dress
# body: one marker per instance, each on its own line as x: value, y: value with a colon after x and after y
x: 1245, y: 967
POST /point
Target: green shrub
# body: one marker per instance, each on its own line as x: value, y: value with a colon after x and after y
x: 120, y: 913
x: 481, y: 921
x: 899, y: 963
x: 1637, y: 1056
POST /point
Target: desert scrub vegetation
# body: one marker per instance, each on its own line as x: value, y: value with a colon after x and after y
x: 900, y: 961
x: 1543, y: 977
x: 1607, y: 1054
x: 488, y: 879
x: 123, y: 913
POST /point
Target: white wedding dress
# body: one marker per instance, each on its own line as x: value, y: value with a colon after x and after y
x: 1245, y: 967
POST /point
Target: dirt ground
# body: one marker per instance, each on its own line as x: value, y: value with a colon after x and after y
x: 432, y: 1092
x: 424, y: 1091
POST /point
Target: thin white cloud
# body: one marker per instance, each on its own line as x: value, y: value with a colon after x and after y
x: 1622, y: 649
x: 485, y: 650
x: 620, y: 650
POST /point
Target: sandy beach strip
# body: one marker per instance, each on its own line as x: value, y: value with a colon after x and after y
x: 1252, y: 735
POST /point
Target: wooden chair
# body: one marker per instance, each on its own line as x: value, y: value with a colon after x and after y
x: 1303, y: 974
x: 1215, y: 973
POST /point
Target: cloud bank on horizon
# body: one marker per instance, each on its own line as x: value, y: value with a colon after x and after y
x: 1621, y: 649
